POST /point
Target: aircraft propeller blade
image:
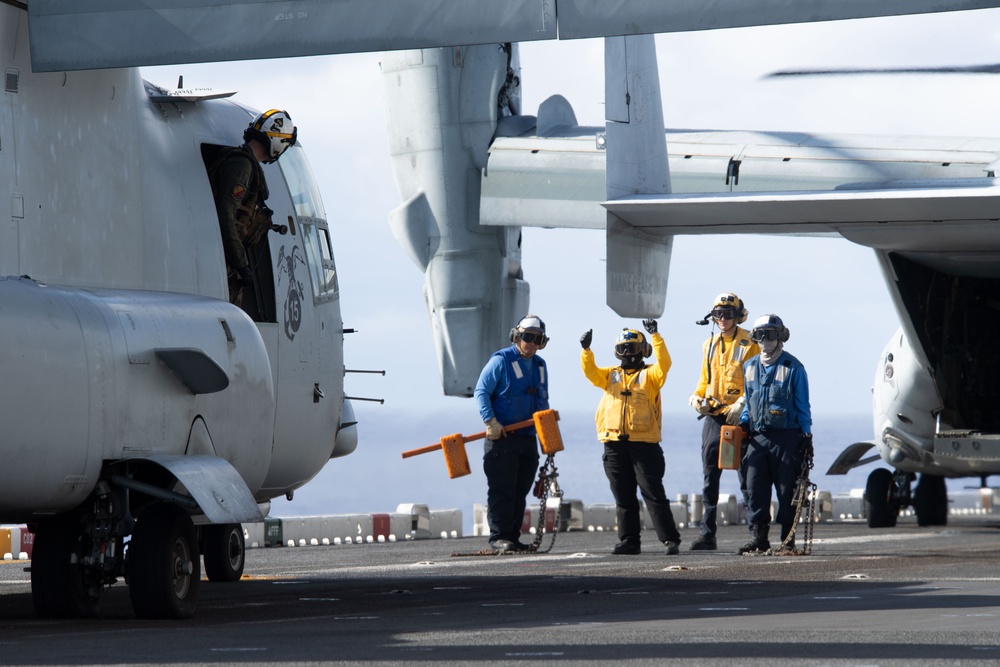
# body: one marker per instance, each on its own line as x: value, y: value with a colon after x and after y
x: 955, y: 69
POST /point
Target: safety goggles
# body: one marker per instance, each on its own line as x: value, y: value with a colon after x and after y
x: 760, y: 335
x: 724, y: 313
x: 533, y: 338
x: 628, y: 349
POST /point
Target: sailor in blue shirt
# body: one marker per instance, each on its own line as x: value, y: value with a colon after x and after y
x: 778, y: 421
x: 512, y: 387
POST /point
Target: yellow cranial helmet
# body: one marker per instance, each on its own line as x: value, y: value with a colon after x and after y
x: 631, y: 342
x: 729, y: 303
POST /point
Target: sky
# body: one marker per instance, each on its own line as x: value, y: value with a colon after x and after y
x: 829, y: 292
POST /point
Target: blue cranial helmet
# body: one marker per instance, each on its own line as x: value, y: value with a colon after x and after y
x: 769, y: 327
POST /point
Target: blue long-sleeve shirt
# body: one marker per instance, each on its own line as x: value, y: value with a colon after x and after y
x: 777, y: 395
x: 512, y: 388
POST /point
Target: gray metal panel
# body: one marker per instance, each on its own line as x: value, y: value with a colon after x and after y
x: 601, y: 18
x: 96, y: 34
x: 637, y: 271
x: 216, y: 486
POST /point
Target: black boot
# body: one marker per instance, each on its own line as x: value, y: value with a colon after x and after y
x: 758, y: 540
x: 790, y: 546
x: 627, y: 548
x: 704, y: 543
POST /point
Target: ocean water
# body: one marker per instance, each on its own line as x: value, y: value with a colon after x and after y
x: 376, y: 478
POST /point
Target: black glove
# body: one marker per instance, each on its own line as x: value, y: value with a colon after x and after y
x: 805, y: 443
x: 650, y: 325
x: 745, y: 427
x: 586, y: 338
x: 246, y: 276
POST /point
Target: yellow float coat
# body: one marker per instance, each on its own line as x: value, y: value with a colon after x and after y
x: 631, y: 402
x: 722, y: 374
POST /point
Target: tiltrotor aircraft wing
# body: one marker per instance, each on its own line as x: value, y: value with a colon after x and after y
x: 73, y: 34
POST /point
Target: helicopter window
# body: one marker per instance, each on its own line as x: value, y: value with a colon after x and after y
x: 301, y: 184
x: 319, y: 257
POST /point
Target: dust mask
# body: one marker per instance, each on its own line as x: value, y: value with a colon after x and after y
x: 770, y: 350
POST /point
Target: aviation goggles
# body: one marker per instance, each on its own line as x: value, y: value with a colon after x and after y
x: 724, y: 313
x: 629, y: 344
x: 533, y: 338
x: 760, y: 335
x: 628, y: 349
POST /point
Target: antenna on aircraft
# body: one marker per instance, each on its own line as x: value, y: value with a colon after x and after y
x: 180, y: 82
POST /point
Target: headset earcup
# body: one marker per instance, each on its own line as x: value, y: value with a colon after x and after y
x: 785, y: 334
x: 513, y: 334
x: 647, y: 351
x: 743, y: 313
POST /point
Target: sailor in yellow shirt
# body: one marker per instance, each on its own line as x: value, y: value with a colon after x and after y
x: 629, y: 424
x: 719, y: 399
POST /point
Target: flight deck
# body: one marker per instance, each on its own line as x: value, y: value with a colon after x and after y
x: 908, y: 595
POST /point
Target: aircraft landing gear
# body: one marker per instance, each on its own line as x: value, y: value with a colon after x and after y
x: 61, y: 585
x: 163, y: 564
x: 930, y: 501
x: 886, y: 493
x: 79, y: 554
x: 224, y: 549
x: 881, y: 499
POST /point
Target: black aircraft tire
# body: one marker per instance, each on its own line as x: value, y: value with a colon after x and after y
x: 930, y: 501
x: 224, y: 549
x: 881, y: 509
x: 58, y: 589
x: 164, y: 568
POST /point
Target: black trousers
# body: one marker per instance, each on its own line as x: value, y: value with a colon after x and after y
x: 510, y: 464
x: 710, y: 432
x: 772, y: 459
x: 632, y: 465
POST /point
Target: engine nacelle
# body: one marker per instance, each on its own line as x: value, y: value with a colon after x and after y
x: 905, y: 405
x: 442, y: 110
x: 97, y: 375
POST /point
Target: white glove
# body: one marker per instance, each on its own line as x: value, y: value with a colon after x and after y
x: 699, y: 404
x: 494, y: 430
x: 736, y: 411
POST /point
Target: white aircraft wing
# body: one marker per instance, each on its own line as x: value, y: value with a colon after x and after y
x: 600, y: 18
x: 74, y: 34
x: 954, y: 216
x: 70, y: 35
x: 725, y: 182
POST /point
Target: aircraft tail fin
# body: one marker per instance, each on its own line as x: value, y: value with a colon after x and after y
x: 638, y: 262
